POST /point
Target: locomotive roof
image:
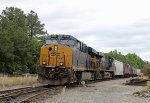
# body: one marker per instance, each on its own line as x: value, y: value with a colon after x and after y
x: 63, y: 36
x: 60, y: 36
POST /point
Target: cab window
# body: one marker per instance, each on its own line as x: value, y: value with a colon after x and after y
x: 68, y: 42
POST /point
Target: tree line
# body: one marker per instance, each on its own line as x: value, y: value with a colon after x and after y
x: 19, y: 45
x: 131, y: 58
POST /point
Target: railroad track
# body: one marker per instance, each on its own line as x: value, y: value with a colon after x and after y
x: 39, y: 91
x: 49, y: 91
x: 7, y: 95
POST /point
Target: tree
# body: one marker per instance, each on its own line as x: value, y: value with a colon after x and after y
x: 117, y: 55
x: 35, y: 52
x: 6, y: 52
x: 34, y: 25
x: 15, y: 49
x: 18, y: 52
x: 132, y: 59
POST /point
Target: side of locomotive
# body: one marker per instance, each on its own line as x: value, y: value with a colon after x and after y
x: 64, y: 59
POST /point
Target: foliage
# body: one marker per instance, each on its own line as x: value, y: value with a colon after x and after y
x: 134, y: 60
x: 131, y: 58
x: 117, y: 55
x: 34, y: 25
x: 18, y: 52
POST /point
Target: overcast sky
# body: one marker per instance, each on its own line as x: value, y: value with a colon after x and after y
x: 102, y: 24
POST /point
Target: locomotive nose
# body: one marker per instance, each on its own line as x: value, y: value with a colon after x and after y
x: 56, y: 56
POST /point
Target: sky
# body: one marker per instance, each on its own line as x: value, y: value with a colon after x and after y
x: 104, y: 25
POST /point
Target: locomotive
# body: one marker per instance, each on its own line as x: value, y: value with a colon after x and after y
x: 64, y: 60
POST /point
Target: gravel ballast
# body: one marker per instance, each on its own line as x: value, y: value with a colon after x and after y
x: 113, y: 91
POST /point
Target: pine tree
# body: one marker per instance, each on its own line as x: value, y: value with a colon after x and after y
x: 34, y: 25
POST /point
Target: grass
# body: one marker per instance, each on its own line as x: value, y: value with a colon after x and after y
x: 13, y: 81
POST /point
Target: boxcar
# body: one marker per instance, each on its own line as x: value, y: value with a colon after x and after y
x: 138, y: 72
x: 134, y: 71
x: 127, y: 70
x: 119, y: 68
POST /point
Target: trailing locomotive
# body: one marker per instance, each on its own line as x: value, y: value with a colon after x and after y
x: 64, y: 59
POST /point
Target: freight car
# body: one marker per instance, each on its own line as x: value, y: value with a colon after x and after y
x: 134, y: 71
x: 138, y: 72
x: 127, y: 70
x: 119, y: 68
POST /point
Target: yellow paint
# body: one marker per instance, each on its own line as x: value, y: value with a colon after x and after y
x: 54, y: 57
x: 62, y: 54
x: 81, y: 69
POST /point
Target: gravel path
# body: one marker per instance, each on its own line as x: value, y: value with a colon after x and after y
x: 102, y: 92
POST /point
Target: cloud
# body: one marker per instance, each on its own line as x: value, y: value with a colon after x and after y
x: 102, y: 24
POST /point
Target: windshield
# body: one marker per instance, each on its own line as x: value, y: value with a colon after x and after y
x: 51, y: 42
x: 67, y: 42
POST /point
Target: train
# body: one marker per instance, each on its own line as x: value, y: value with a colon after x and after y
x: 64, y: 59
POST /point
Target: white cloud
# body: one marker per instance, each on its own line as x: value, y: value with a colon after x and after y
x: 102, y: 24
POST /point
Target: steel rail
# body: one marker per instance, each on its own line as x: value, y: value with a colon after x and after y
x: 50, y: 91
x: 20, y: 91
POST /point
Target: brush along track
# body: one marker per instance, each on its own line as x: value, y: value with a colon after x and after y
x: 49, y: 91
x: 13, y: 93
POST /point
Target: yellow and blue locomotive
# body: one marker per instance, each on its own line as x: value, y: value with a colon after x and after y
x: 65, y: 59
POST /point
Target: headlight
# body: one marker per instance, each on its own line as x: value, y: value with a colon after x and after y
x: 61, y: 63
x: 55, y: 48
x: 44, y: 62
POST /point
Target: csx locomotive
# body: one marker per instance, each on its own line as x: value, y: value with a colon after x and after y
x: 64, y: 59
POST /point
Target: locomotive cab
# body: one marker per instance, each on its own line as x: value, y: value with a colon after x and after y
x: 55, y: 60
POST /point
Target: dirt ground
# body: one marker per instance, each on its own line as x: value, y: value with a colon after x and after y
x: 113, y: 91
